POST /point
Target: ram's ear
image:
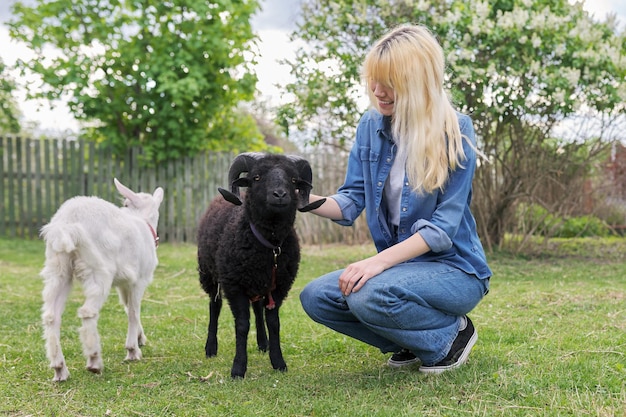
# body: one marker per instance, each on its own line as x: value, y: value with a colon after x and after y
x: 312, y: 206
x: 241, y: 182
x: 230, y: 197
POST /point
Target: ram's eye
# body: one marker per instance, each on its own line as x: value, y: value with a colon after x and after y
x: 257, y: 177
x: 293, y: 180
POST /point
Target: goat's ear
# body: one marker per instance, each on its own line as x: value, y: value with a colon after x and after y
x: 125, y: 191
x: 230, y: 197
x: 158, y: 195
x: 312, y: 206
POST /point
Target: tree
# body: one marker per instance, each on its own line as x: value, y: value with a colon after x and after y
x: 165, y: 75
x: 519, y: 68
x: 9, y: 114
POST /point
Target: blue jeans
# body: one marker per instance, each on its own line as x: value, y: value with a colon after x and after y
x: 417, y: 306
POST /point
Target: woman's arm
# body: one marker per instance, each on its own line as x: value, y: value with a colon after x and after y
x: 329, y: 209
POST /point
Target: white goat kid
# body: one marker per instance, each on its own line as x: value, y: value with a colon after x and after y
x: 100, y: 245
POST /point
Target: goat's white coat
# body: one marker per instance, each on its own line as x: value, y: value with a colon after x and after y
x: 100, y: 245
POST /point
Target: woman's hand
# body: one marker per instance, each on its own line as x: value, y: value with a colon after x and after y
x: 358, y: 273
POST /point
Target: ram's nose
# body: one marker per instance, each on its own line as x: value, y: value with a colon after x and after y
x: 280, y: 196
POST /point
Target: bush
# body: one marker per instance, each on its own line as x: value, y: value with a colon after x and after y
x: 536, y: 220
x: 583, y: 226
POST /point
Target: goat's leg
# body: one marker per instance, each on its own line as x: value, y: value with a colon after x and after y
x: 96, y: 289
x: 58, y: 284
x: 259, y: 318
x: 273, y: 328
x: 135, y: 337
x: 215, y: 307
x: 240, y: 306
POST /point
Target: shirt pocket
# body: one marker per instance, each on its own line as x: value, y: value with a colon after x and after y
x: 369, y: 164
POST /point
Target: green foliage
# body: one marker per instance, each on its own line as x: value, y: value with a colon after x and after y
x: 157, y: 74
x: 9, y: 111
x: 583, y: 226
x: 551, y: 343
x: 535, y: 219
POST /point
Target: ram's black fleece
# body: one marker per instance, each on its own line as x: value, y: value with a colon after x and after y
x: 248, y: 250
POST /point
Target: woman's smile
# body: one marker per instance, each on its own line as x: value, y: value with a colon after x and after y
x: 385, y: 97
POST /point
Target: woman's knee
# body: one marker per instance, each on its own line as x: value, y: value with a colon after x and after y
x: 317, y: 291
x: 370, y: 299
x: 308, y: 296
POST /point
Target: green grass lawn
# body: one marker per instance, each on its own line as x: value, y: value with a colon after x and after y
x: 552, y: 342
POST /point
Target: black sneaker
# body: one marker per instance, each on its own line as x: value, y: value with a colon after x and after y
x: 459, y: 351
x: 403, y: 358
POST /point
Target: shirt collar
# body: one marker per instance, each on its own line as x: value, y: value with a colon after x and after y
x: 384, y: 128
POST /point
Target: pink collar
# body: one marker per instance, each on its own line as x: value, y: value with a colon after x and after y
x: 154, y: 235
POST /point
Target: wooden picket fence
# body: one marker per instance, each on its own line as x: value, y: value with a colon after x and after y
x: 38, y: 175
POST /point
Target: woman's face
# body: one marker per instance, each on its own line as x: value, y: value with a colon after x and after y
x: 384, y: 96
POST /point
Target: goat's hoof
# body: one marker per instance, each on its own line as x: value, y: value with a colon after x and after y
x: 278, y: 363
x: 96, y: 371
x: 61, y: 374
x: 94, y: 364
x: 134, y: 354
x: 238, y: 372
x: 262, y: 348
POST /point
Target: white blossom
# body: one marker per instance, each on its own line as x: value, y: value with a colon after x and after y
x: 423, y: 5
x: 475, y: 27
x: 505, y: 20
x: 452, y: 17
x: 536, y: 41
x: 482, y: 10
x: 535, y: 67
x: 559, y: 96
x: 520, y: 17
x: 452, y: 58
x: 572, y: 75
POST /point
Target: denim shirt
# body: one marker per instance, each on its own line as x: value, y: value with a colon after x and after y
x: 443, y: 217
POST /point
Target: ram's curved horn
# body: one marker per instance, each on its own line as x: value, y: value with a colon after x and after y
x: 242, y: 163
x: 305, y: 184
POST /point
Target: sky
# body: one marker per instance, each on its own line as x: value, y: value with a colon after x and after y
x: 273, y: 25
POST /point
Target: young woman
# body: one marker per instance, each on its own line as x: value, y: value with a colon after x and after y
x: 411, y: 170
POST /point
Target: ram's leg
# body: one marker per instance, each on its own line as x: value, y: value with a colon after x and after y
x: 240, y: 306
x: 215, y: 307
x: 58, y: 284
x: 96, y: 289
x: 273, y: 328
x: 259, y: 319
x: 135, y: 337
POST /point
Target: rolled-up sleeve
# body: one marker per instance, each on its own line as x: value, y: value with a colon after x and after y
x: 349, y: 210
x: 436, y: 239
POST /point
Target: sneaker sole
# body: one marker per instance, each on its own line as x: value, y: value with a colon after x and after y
x: 394, y: 364
x: 461, y: 361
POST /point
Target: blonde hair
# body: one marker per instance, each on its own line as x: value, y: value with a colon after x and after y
x: 409, y: 60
